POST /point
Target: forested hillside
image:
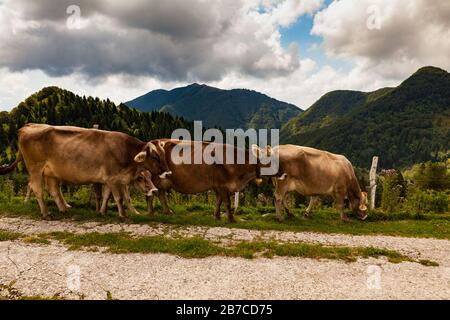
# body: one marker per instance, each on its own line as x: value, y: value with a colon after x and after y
x: 404, y: 125
x: 227, y: 109
x: 56, y: 106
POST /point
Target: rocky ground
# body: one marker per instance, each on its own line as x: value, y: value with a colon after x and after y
x: 51, y: 270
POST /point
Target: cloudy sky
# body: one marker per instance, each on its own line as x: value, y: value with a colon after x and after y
x: 293, y: 50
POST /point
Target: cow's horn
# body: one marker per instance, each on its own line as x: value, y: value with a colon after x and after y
x: 152, y: 147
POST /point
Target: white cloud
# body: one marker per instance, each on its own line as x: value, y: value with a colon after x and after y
x: 411, y: 34
x: 125, y: 50
x: 167, y: 40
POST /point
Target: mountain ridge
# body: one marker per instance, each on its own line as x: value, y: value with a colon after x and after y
x: 235, y: 108
x: 403, y: 125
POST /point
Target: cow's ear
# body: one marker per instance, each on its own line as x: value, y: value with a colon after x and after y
x: 152, y: 147
x: 255, y: 150
x: 140, y: 157
x: 161, y: 143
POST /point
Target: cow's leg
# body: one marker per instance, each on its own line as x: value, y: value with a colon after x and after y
x: 36, y: 185
x: 129, y: 202
x: 118, y: 194
x: 97, y: 190
x: 28, y: 195
x: 105, y: 199
x: 61, y: 196
x: 150, y: 208
x: 286, y: 207
x: 340, y: 204
x: 312, y: 202
x: 226, y: 199
x: 218, y: 204
x: 54, y: 190
x: 162, y: 195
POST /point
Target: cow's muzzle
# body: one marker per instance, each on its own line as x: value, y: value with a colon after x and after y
x: 165, y: 174
x: 152, y: 192
x: 283, y: 177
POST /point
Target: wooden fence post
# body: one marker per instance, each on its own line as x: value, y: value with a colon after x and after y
x: 373, y: 182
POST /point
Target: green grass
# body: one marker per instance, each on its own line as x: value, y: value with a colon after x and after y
x: 9, y: 236
x: 196, y: 247
x: 260, y: 218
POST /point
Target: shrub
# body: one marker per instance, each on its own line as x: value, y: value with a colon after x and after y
x: 6, y: 189
x: 390, y: 198
x: 427, y: 201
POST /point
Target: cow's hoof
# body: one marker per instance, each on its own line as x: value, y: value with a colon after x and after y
x: 346, y: 220
x: 47, y: 217
x: 169, y: 213
x: 231, y: 220
x: 281, y: 220
x: 217, y: 217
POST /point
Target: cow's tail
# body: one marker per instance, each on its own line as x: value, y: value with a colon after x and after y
x: 5, y: 169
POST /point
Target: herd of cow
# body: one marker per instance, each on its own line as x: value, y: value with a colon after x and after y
x: 111, y: 161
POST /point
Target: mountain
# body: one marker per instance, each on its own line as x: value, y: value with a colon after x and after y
x: 56, y: 106
x: 238, y: 108
x: 403, y: 125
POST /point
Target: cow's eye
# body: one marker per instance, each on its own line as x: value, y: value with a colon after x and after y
x: 140, y: 179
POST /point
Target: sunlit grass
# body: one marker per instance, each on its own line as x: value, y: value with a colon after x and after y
x: 325, y: 220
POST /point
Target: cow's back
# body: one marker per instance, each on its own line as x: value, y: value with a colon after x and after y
x: 77, y: 155
x: 191, y: 178
x: 315, y: 171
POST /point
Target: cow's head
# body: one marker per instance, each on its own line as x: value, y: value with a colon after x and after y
x: 264, y: 157
x: 360, y: 208
x: 144, y: 184
x: 153, y: 158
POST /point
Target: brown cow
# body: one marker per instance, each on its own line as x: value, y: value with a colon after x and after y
x: 313, y: 172
x: 143, y: 183
x: 223, y: 179
x: 83, y: 156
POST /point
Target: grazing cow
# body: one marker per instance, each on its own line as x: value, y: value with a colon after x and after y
x: 313, y: 172
x: 83, y: 156
x: 193, y: 178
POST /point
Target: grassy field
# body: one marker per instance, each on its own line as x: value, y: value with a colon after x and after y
x: 196, y: 247
x: 262, y: 218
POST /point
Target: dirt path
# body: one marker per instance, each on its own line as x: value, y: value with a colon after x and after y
x: 46, y: 270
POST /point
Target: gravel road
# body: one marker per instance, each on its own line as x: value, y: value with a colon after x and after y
x: 48, y: 270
